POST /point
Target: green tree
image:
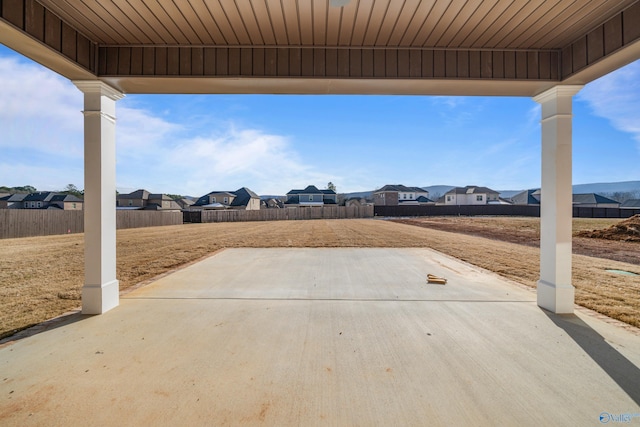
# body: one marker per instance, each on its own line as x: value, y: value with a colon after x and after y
x: 331, y: 186
x: 73, y: 190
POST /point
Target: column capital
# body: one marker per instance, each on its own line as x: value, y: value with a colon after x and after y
x: 557, y: 92
x: 98, y: 87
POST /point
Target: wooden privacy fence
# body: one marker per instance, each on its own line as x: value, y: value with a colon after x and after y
x: 458, y: 210
x: 497, y: 210
x: 325, y: 212
x: 37, y: 222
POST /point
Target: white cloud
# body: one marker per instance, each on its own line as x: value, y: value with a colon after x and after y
x: 234, y: 158
x: 39, y: 110
x: 616, y: 97
x: 42, y: 139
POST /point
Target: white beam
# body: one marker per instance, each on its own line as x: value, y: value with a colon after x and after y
x: 555, y: 291
x: 101, y: 291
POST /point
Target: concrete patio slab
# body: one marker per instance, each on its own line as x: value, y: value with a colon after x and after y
x: 348, y: 337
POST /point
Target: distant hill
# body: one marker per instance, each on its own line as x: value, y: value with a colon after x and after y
x: 608, y: 187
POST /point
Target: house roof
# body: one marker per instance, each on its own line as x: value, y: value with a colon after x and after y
x: 526, y: 197
x: 243, y: 196
x: 40, y: 196
x: 633, y: 203
x: 471, y: 189
x: 137, y: 195
x: 400, y: 188
x: 65, y: 198
x: 591, y: 198
x: 311, y: 189
x: 157, y: 196
x: 423, y: 199
x: 14, y: 197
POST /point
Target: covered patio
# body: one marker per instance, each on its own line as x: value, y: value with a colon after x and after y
x: 545, y: 49
x: 349, y: 336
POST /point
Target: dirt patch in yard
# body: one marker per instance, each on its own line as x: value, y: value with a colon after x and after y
x: 627, y: 230
x: 41, y: 277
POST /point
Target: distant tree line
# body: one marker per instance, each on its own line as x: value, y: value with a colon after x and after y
x: 622, y: 196
x: 27, y: 189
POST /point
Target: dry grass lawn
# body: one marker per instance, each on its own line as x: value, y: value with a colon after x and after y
x: 41, y: 277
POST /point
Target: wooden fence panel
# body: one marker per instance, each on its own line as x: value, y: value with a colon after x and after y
x: 138, y: 219
x: 38, y: 222
x: 325, y: 212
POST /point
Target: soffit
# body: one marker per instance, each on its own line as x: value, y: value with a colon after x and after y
x: 452, y: 24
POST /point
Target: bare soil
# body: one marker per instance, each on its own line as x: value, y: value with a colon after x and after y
x: 625, y: 231
x: 41, y: 277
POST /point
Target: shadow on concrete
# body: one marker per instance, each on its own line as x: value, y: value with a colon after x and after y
x: 57, y: 322
x: 624, y: 372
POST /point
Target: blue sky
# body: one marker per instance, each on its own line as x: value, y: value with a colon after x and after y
x: 193, y: 144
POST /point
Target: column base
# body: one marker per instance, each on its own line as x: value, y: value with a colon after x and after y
x: 558, y: 299
x: 97, y: 299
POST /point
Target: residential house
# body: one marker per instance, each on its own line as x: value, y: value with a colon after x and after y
x: 395, y: 195
x: 472, y: 195
x: 184, y: 202
x: 593, y: 200
x: 51, y: 200
x: 144, y: 200
x: 526, y: 197
x: 12, y: 201
x: 310, y: 197
x: 631, y: 204
x: 273, y: 203
x: 243, y: 199
x: 587, y: 200
x: 357, y: 201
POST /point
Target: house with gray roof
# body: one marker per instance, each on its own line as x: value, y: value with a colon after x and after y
x: 51, y: 200
x: 526, y: 197
x: 593, y: 200
x: 144, y: 200
x: 401, y: 195
x: 585, y: 200
x: 631, y: 204
x: 12, y: 201
x: 243, y: 199
x: 472, y: 195
x: 311, y: 196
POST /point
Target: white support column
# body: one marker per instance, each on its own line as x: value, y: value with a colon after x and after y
x: 101, y: 291
x: 555, y: 291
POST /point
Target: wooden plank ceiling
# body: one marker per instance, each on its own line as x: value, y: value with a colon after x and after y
x: 314, y: 46
x: 469, y: 24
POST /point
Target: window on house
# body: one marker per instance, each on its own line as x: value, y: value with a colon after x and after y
x: 213, y: 200
x: 448, y: 198
x: 404, y: 196
x: 311, y: 198
x: 411, y: 196
x: 130, y: 202
x: 226, y: 200
x: 33, y: 204
x: 479, y: 197
x: 73, y: 205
